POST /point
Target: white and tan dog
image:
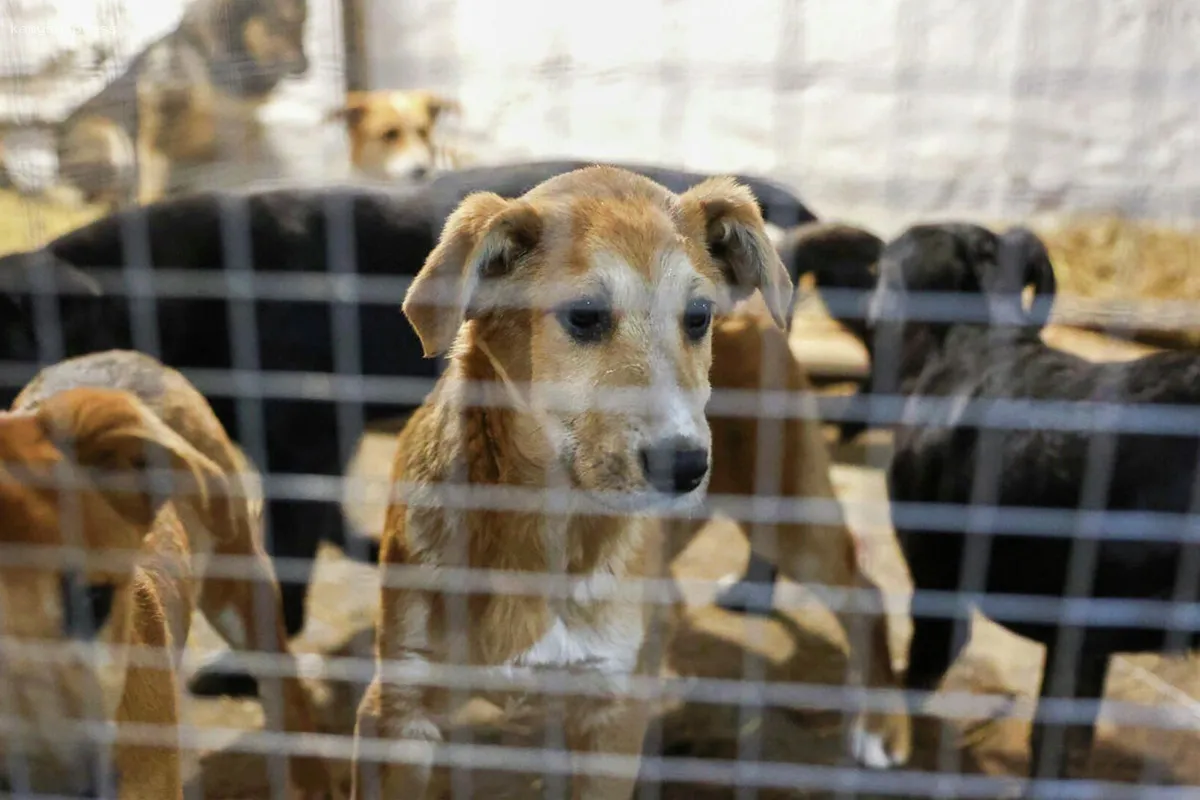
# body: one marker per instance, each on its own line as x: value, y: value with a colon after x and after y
x: 394, y: 134
x: 596, y: 282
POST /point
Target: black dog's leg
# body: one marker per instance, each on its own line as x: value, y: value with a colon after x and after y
x: 300, y: 526
x: 754, y: 592
x: 1052, y: 744
x: 934, y: 647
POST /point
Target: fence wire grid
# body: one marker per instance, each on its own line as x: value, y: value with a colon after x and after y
x: 959, y: 563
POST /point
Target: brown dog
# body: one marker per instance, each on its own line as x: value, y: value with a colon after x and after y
x: 597, y: 283
x: 140, y: 573
x: 188, y: 99
x: 751, y: 357
x: 392, y: 133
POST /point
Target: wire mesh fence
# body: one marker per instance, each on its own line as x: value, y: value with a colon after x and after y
x: 630, y: 540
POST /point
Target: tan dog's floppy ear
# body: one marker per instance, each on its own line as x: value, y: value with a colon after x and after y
x: 351, y: 112
x: 108, y: 429
x: 480, y: 245
x: 436, y: 105
x: 736, y: 237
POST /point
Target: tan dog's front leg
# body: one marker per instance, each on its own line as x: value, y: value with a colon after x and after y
x: 616, y: 727
x: 390, y: 713
x: 153, y: 171
x: 396, y: 710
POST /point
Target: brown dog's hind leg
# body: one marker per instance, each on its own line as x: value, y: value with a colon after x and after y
x: 248, y: 615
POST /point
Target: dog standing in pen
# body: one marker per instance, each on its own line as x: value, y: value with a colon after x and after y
x: 596, y: 284
x: 1121, y: 472
x: 141, y: 572
x: 190, y: 98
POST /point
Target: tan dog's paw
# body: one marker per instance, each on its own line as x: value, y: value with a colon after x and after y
x: 881, y: 741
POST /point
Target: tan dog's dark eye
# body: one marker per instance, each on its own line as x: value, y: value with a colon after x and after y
x: 587, y: 320
x: 697, y: 319
x: 86, y: 607
x: 391, y: 134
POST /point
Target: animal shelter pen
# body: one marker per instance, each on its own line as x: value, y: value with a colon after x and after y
x: 987, y: 389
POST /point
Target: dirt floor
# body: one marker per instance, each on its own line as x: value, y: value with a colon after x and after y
x: 797, y: 646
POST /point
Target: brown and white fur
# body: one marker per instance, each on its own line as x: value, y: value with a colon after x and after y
x: 393, y: 133
x: 142, y: 563
x: 595, y: 282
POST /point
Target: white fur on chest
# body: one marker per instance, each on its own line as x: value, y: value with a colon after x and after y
x: 609, y: 647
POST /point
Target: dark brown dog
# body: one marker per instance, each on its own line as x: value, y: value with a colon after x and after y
x: 189, y: 98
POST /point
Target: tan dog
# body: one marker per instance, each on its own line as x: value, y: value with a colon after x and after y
x: 597, y: 283
x: 392, y: 133
x: 123, y: 412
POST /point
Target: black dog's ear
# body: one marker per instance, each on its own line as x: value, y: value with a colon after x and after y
x: 20, y: 274
x: 1021, y: 260
x: 70, y: 280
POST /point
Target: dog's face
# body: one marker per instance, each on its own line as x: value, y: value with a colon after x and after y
x: 255, y: 44
x: 66, y: 596
x: 391, y: 132
x: 965, y: 259
x: 597, y: 290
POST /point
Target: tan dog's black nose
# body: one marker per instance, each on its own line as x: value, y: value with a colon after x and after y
x: 674, y: 467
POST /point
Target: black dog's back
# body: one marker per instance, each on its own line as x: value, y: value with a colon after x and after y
x: 779, y: 205
x: 1153, y: 472
x: 302, y: 233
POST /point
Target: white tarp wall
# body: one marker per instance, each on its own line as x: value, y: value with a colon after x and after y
x: 50, y: 62
x: 888, y: 109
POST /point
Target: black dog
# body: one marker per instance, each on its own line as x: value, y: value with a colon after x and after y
x: 306, y: 234
x: 946, y: 456
x: 780, y: 206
